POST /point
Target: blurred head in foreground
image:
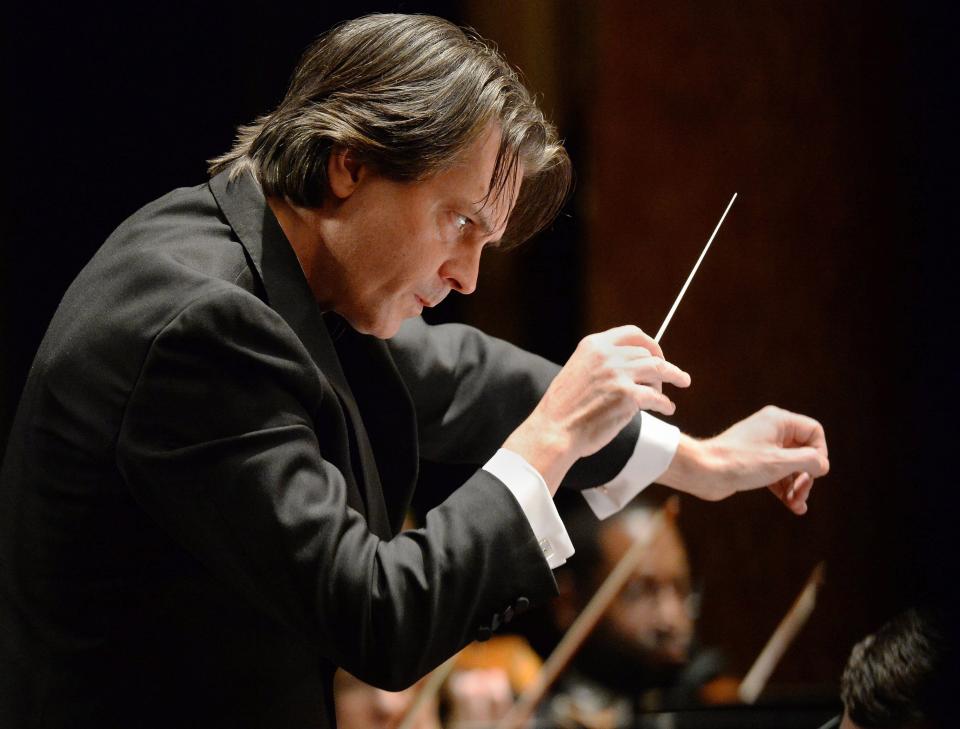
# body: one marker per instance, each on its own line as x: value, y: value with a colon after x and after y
x: 897, y: 677
x: 362, y: 706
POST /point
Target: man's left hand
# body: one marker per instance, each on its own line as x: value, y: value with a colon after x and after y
x: 776, y: 448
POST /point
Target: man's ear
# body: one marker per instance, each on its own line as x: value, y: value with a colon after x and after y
x: 344, y: 172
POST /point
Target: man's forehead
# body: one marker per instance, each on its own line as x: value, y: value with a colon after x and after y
x: 662, y: 537
x: 493, y: 210
x: 491, y: 199
x: 642, y: 524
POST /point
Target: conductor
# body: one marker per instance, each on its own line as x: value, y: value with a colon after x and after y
x: 201, y: 498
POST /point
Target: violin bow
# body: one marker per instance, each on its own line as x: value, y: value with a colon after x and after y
x: 756, y: 679
x: 429, y: 690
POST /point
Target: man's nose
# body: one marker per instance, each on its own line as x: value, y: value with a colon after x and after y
x: 670, y: 606
x: 461, y: 271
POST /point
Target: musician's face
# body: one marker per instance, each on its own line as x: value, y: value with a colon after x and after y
x: 652, y: 615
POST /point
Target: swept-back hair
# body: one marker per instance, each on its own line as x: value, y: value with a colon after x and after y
x: 407, y: 94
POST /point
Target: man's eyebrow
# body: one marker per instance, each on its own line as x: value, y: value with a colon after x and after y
x: 483, y: 220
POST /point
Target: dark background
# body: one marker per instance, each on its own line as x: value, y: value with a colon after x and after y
x: 829, y: 289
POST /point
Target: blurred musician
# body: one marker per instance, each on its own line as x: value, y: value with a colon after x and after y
x: 642, y: 654
x: 486, y: 679
x: 362, y: 706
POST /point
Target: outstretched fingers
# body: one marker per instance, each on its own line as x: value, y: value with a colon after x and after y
x: 632, y: 335
x: 649, y: 369
x: 648, y: 397
x: 656, y: 370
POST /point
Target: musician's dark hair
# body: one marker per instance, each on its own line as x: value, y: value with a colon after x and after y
x: 407, y: 94
x: 893, y: 678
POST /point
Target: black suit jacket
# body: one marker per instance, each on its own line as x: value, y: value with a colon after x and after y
x: 203, y: 488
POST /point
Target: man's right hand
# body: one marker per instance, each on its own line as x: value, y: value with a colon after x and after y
x: 609, y: 378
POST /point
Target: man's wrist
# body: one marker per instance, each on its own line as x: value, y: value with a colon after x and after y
x: 653, y: 451
x: 687, y: 469
x: 534, y: 498
x: 546, y: 451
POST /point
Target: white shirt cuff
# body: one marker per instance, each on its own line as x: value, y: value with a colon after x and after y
x: 652, y: 455
x: 531, y: 492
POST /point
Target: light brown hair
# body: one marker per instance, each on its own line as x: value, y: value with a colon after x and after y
x: 407, y: 94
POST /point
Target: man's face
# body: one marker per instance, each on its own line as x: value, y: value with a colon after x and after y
x: 651, y: 617
x: 399, y: 247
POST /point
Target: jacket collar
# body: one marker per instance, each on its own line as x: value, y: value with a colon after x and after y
x: 273, y: 258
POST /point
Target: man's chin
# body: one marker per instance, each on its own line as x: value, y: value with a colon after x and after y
x: 669, y: 657
x: 379, y: 329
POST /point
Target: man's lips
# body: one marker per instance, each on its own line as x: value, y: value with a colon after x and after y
x: 426, y: 302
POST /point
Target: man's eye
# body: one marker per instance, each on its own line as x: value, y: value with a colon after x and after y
x: 462, y: 222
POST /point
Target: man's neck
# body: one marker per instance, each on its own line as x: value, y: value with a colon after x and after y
x: 300, y: 226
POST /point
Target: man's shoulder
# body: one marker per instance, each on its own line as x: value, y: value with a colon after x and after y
x: 173, y: 252
x: 166, y: 251
x: 184, y: 229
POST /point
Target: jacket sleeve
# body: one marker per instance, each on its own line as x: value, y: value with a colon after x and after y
x: 222, y: 443
x: 472, y: 390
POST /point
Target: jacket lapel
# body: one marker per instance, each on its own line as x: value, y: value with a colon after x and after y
x: 289, y: 294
